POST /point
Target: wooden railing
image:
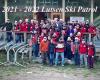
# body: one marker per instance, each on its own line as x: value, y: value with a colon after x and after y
x: 14, y: 34
x: 25, y: 34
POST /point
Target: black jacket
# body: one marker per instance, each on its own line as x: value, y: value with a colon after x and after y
x: 8, y: 26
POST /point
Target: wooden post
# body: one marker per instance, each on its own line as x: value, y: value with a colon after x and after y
x: 90, y: 37
x: 34, y: 13
x: 5, y: 8
x: 63, y: 12
x: 5, y: 36
x: 14, y: 37
x: 25, y: 34
x: 91, y: 16
x: 30, y: 53
x: 8, y: 57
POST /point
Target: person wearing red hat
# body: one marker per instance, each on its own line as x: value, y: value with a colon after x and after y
x: 83, y: 53
x: 91, y: 53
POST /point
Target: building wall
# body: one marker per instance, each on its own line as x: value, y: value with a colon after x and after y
x: 45, y: 3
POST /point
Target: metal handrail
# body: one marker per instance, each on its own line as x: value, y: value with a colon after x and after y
x: 13, y: 48
x: 5, y: 47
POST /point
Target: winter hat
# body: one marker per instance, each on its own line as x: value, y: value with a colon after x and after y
x: 76, y: 39
x: 78, y: 34
x: 69, y: 39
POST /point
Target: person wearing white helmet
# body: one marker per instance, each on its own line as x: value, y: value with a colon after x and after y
x: 32, y: 20
x: 76, y: 39
x: 79, y: 36
x: 15, y: 25
x: 26, y: 20
x: 32, y: 23
x: 79, y: 33
x: 20, y: 21
x: 69, y: 39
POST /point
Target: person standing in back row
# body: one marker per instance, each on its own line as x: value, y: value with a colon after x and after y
x: 9, y: 27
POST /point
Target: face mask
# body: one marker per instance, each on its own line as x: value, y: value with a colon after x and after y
x: 76, y: 40
x: 51, y: 41
x: 90, y: 43
x: 83, y: 42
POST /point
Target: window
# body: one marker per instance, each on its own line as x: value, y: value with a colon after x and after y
x: 29, y: 2
x: 41, y: 2
x: 48, y: 2
x: 55, y: 3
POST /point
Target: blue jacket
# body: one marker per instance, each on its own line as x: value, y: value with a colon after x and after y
x: 58, y: 25
x: 70, y: 31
